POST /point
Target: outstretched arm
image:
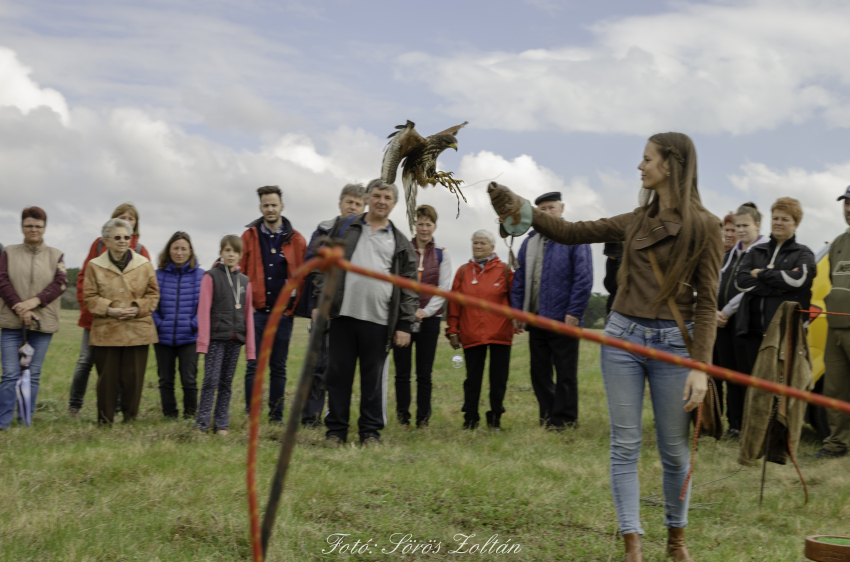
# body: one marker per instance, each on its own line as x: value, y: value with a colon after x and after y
x: 511, y: 208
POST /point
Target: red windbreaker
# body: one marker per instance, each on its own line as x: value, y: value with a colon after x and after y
x: 294, y: 247
x: 473, y: 325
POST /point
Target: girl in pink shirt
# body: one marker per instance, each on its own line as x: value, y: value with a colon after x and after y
x: 225, y: 322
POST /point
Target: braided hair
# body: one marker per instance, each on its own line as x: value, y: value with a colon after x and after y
x: 680, y: 158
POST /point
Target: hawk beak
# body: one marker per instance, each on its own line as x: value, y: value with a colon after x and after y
x: 453, y: 145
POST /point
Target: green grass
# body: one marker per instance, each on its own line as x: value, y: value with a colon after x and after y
x: 835, y: 540
x: 157, y: 490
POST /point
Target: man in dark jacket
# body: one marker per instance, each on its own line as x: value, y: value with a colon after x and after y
x: 369, y: 316
x: 836, y: 381
x: 351, y: 202
x: 554, y: 281
x: 272, y: 250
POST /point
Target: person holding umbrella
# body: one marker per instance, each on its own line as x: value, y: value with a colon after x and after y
x: 32, y: 278
x: 24, y: 386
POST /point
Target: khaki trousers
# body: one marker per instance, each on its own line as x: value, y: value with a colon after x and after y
x: 836, y: 384
x: 120, y: 372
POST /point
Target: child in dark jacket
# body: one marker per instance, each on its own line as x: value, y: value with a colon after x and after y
x: 225, y: 322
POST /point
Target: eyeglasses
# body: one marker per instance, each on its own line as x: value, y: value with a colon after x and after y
x: 118, y: 238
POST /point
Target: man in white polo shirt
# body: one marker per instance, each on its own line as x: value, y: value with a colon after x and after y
x: 369, y: 316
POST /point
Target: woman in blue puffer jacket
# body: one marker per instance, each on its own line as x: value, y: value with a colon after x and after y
x: 176, y: 320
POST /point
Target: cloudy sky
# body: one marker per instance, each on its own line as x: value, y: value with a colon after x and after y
x: 186, y: 111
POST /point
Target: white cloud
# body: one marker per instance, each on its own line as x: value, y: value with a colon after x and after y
x: 709, y: 68
x: 527, y: 178
x: 183, y: 181
x: 18, y: 90
x: 194, y: 66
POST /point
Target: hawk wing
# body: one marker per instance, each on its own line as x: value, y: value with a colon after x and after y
x: 452, y: 130
x: 403, y: 142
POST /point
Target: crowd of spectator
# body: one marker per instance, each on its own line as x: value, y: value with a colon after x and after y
x: 676, y: 284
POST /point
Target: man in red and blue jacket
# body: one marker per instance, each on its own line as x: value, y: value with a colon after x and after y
x: 271, y: 251
x: 553, y: 281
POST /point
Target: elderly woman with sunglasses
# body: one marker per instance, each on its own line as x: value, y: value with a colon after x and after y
x: 121, y: 292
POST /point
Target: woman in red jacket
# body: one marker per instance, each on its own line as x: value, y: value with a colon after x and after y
x: 485, y: 277
x: 126, y: 212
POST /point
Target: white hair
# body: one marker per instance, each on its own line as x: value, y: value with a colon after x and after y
x: 485, y: 234
x: 112, y: 224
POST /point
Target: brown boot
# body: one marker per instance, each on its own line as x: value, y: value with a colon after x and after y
x: 676, y: 548
x: 634, y: 550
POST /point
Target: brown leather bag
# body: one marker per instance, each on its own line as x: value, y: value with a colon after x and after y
x: 710, y: 418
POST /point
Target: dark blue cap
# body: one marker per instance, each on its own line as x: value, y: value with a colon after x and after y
x: 551, y: 196
x: 846, y: 194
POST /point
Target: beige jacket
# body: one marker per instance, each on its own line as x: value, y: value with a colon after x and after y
x: 772, y: 365
x: 105, y: 286
x: 34, y: 272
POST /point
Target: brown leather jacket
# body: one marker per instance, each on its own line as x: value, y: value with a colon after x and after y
x: 697, y: 300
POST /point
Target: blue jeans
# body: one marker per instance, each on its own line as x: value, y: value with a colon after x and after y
x: 10, y: 341
x: 624, y: 375
x: 277, y: 363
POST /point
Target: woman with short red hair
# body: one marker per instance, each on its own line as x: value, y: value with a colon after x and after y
x: 32, y: 278
x: 770, y: 274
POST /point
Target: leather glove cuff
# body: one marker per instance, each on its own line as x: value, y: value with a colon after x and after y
x: 515, y: 213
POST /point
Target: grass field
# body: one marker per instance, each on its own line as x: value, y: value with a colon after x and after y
x: 156, y: 490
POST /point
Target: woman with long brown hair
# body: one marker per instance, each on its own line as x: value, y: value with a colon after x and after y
x: 669, y: 277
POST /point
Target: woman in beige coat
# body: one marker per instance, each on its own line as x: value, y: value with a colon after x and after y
x: 121, y: 292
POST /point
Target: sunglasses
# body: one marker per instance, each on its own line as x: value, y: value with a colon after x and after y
x: 118, y: 238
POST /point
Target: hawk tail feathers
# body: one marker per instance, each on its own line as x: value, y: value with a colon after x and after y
x: 410, y: 192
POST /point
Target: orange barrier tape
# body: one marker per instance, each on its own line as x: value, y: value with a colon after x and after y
x: 257, y: 391
x: 332, y: 257
x: 581, y: 333
x: 817, y: 312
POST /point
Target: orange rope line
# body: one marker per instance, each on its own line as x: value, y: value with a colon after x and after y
x: 257, y: 391
x: 332, y: 257
x: 581, y: 333
x: 816, y: 313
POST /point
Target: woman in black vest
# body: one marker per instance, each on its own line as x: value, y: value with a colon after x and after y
x: 434, y: 268
x: 225, y: 323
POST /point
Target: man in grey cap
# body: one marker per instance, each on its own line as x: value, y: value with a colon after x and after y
x: 836, y: 382
x: 553, y: 281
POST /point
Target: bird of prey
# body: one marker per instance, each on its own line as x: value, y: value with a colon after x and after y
x: 418, y: 156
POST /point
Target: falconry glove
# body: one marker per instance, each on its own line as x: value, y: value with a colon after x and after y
x: 514, y: 212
